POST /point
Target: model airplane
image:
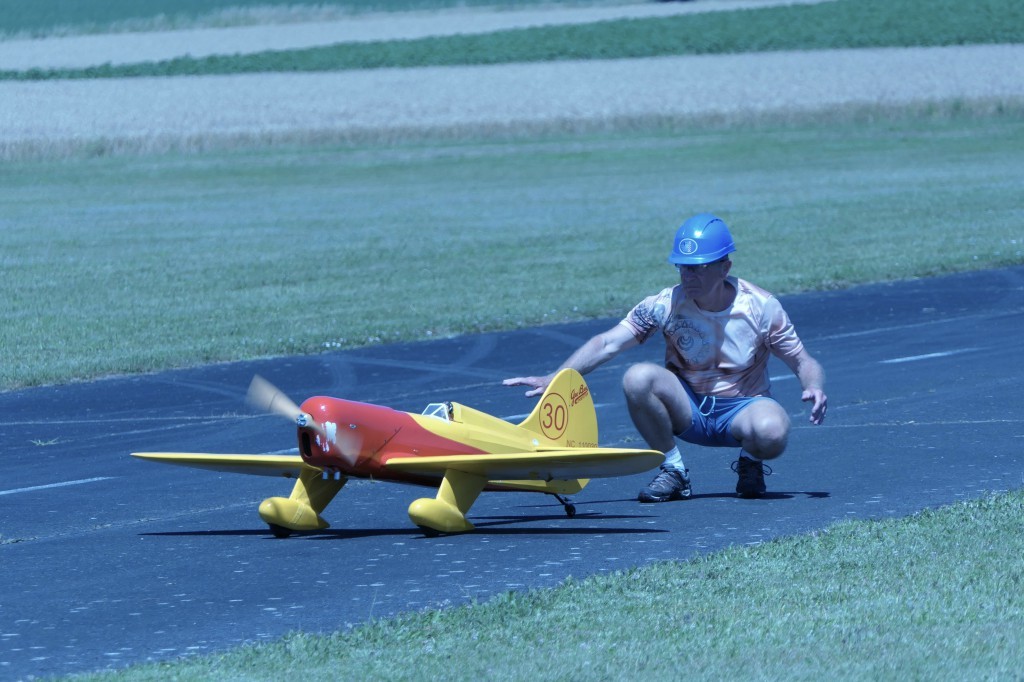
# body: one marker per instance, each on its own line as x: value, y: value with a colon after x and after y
x: 459, y: 450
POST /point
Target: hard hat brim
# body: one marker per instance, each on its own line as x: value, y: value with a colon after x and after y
x: 702, y: 258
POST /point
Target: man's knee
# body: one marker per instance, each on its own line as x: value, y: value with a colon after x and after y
x: 654, y: 392
x: 764, y: 430
x: 768, y: 443
x: 640, y: 377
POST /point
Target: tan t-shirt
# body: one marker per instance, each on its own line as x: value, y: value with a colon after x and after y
x: 723, y: 353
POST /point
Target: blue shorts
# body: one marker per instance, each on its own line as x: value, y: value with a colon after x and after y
x: 712, y: 419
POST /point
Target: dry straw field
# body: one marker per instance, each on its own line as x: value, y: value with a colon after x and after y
x: 53, y: 118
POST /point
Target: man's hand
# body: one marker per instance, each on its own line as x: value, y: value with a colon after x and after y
x: 819, y: 405
x: 536, y: 384
x: 812, y: 379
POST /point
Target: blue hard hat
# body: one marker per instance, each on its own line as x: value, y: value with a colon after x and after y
x: 704, y: 238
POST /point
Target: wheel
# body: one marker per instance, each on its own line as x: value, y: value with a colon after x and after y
x: 280, y: 531
x: 570, y: 510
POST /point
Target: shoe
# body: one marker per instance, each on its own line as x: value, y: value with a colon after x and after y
x: 669, y: 484
x: 751, y: 477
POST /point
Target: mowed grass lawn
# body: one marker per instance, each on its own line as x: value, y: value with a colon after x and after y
x: 134, y: 264
x: 934, y: 596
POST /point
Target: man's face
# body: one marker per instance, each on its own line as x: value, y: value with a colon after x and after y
x: 700, y: 280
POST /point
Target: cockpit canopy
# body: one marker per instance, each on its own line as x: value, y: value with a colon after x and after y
x: 442, y: 411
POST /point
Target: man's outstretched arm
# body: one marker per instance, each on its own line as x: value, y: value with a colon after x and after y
x: 595, y: 352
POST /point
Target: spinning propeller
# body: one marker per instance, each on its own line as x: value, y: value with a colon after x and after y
x: 266, y: 397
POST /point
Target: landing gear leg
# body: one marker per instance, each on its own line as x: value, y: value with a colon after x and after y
x: 570, y: 508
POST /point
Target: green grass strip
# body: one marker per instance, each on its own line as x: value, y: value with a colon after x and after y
x: 913, y: 599
x: 49, y: 17
x: 829, y: 25
x: 147, y: 263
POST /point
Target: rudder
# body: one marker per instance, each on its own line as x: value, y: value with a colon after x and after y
x: 565, y: 415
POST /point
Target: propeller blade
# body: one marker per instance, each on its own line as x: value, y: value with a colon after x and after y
x: 266, y: 397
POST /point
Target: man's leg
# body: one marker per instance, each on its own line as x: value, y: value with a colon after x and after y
x: 657, y: 403
x: 660, y: 408
x: 762, y: 429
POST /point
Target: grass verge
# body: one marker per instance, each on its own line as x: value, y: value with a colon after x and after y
x: 913, y: 598
x: 155, y: 262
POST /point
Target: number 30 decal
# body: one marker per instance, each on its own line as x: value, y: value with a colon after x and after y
x: 554, y: 416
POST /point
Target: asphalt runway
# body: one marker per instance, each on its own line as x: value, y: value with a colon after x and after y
x: 108, y: 561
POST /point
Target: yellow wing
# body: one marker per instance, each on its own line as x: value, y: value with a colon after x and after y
x: 286, y: 466
x: 545, y: 465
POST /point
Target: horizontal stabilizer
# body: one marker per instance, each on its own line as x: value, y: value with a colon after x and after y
x: 552, y: 464
x: 285, y: 466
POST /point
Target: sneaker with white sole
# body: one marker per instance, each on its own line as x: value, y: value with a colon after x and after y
x: 669, y: 484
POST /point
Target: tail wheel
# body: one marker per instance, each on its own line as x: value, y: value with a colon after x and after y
x: 570, y: 508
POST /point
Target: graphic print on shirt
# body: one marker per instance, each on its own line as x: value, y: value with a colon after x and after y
x: 693, y: 339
